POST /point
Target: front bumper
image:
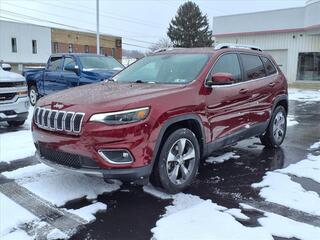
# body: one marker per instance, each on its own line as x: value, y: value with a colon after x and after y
x: 15, y: 111
x: 129, y: 174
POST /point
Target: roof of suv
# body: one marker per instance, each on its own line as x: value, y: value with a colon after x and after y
x: 208, y: 50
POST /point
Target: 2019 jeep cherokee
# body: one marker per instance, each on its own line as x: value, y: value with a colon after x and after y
x: 163, y: 114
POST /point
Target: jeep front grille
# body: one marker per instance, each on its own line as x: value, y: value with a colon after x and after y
x: 55, y: 120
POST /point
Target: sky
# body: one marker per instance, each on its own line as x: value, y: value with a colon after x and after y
x: 139, y: 22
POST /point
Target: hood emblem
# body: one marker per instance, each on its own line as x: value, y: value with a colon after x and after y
x: 57, y: 105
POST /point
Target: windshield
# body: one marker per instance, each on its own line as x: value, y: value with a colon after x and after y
x: 100, y: 63
x: 170, y: 68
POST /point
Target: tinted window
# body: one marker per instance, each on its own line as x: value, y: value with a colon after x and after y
x: 228, y: 64
x: 68, y: 62
x: 269, y: 66
x: 253, y: 66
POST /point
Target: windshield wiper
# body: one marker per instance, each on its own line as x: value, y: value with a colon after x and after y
x: 139, y: 81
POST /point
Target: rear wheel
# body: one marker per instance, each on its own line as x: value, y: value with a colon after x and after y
x: 276, y: 131
x: 178, y: 161
x: 33, y: 95
x: 15, y: 123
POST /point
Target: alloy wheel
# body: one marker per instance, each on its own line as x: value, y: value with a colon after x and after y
x: 279, y: 127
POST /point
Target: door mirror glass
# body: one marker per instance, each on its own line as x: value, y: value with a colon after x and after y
x: 72, y: 68
x: 221, y: 79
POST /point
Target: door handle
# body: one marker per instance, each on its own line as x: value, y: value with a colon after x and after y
x: 243, y: 91
x: 272, y: 84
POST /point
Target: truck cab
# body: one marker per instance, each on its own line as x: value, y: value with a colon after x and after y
x: 14, y: 102
x: 69, y: 70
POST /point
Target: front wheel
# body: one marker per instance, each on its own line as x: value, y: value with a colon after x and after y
x: 178, y: 161
x: 33, y: 95
x: 276, y: 131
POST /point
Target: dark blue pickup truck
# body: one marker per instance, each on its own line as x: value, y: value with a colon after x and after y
x: 69, y: 70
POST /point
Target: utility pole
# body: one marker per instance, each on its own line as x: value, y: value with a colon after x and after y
x: 98, y: 33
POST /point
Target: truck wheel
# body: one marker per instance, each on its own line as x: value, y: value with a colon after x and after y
x: 178, y: 161
x: 15, y: 123
x: 276, y: 131
x: 33, y: 95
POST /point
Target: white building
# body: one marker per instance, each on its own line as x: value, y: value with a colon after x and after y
x: 24, y: 44
x: 291, y: 36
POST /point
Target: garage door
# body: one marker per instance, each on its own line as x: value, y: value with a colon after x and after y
x: 281, y: 57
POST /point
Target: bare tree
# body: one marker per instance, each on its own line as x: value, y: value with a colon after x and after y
x: 161, y: 43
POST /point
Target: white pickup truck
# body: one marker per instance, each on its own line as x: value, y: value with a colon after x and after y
x: 14, y: 102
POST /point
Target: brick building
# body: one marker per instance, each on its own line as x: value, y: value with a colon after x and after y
x: 83, y: 42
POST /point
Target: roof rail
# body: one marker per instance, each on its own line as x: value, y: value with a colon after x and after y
x: 166, y: 49
x: 235, y: 45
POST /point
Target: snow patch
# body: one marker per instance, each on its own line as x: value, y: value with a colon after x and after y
x: 291, y: 121
x: 156, y: 193
x: 315, y: 145
x: 279, y: 188
x: 287, y: 228
x: 59, y: 187
x: 198, y: 218
x: 12, y: 216
x: 16, y: 145
x: 17, y: 235
x: 308, y: 168
x: 304, y: 95
x: 222, y: 158
x: 56, y: 234
x: 237, y: 214
x: 87, y: 212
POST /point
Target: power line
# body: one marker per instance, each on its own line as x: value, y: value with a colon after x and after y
x: 80, y: 29
x: 66, y: 25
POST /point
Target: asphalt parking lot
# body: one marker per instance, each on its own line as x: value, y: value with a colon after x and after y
x: 242, y: 183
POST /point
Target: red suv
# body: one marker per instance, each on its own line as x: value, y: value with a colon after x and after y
x: 160, y: 116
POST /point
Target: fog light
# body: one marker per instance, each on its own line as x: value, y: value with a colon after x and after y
x: 118, y: 156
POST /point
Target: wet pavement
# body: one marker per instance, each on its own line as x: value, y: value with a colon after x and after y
x: 131, y: 212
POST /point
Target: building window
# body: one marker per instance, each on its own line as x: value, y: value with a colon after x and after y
x: 70, y: 48
x: 102, y: 52
x: 34, y: 47
x: 55, y: 47
x: 14, y: 45
x: 309, y: 66
x: 113, y: 52
x: 86, y: 48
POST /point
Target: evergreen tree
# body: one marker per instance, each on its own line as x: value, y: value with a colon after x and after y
x: 190, y: 28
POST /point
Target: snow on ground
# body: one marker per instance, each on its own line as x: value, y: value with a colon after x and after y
x: 16, y: 145
x: 304, y: 95
x: 236, y: 212
x: 59, y: 187
x: 315, y: 145
x: 17, y: 235
x: 56, y: 234
x: 291, y: 121
x: 284, y: 227
x: 12, y: 216
x: 197, y: 219
x: 87, y: 212
x: 278, y: 187
x: 222, y: 158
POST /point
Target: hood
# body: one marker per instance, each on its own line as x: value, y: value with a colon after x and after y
x: 112, y: 95
x: 100, y: 74
x: 6, y: 76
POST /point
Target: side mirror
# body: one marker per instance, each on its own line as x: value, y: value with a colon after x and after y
x: 72, y: 68
x: 6, y: 67
x: 221, y: 79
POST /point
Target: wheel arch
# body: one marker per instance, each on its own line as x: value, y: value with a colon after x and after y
x: 281, y: 100
x: 190, y: 121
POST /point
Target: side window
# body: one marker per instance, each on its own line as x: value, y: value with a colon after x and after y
x: 253, y: 66
x: 68, y: 62
x: 228, y: 63
x: 55, y: 64
x: 269, y: 66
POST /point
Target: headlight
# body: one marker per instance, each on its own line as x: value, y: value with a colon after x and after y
x: 122, y: 117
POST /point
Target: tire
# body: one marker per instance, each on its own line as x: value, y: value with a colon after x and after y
x: 15, y: 123
x: 33, y: 95
x: 276, y: 131
x: 178, y: 161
